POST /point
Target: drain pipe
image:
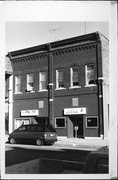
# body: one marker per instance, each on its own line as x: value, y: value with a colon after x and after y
x: 50, y: 86
x: 100, y: 89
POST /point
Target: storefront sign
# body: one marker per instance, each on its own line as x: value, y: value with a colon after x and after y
x: 72, y: 111
x: 30, y: 112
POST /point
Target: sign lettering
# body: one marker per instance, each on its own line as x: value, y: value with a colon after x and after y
x: 72, y: 111
x: 34, y: 112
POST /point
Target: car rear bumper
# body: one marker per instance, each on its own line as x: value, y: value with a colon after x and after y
x: 50, y: 140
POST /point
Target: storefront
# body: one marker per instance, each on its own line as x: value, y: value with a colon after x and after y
x: 82, y: 125
x: 75, y: 115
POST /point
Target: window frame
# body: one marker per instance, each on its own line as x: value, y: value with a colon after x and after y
x: 71, y: 77
x: 95, y: 127
x: 64, y: 122
x: 21, y: 119
x: 16, y: 77
x: 44, y: 81
x: 86, y: 81
x: 28, y: 88
x: 57, y: 79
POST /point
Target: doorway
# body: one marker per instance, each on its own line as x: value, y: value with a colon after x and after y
x: 77, y: 126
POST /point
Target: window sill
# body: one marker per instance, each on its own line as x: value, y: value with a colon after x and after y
x: 74, y: 87
x: 43, y: 90
x: 18, y: 93
x: 30, y: 91
x: 92, y: 85
x: 60, y: 89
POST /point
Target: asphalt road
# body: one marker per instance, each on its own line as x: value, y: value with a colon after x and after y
x: 19, y: 153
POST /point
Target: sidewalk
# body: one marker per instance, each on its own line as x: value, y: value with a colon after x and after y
x: 79, y: 142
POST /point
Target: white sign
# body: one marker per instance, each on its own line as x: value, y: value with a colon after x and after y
x: 34, y: 112
x: 72, y: 111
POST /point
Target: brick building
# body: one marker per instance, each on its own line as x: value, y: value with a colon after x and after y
x: 64, y: 83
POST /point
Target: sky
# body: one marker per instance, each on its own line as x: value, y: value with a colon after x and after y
x: 24, y: 34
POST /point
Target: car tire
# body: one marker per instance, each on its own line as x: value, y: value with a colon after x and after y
x: 12, y: 141
x: 39, y: 142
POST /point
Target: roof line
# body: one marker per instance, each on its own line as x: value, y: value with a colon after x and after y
x: 55, y: 44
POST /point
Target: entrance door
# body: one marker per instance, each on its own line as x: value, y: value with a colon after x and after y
x: 78, y: 126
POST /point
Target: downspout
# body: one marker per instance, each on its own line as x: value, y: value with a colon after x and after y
x: 50, y: 86
x: 100, y: 89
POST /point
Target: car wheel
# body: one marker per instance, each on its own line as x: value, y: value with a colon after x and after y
x: 39, y: 142
x: 12, y: 141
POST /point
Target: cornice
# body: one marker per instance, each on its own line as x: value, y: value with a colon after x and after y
x: 56, y: 52
x: 73, y: 49
x: 30, y: 58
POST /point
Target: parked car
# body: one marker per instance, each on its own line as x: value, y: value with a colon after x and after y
x: 40, y: 134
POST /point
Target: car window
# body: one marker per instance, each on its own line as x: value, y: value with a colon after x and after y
x: 22, y: 128
x: 29, y: 128
x: 33, y: 128
x: 39, y: 128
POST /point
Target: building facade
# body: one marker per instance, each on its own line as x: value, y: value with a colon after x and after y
x: 64, y: 83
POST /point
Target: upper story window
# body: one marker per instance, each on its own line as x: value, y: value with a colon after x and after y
x: 74, y: 72
x: 90, y: 75
x: 17, y: 84
x: 60, y: 79
x: 43, y: 81
x: 6, y: 88
x: 30, y: 82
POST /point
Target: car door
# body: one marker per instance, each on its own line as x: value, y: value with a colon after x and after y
x: 28, y: 133
x: 20, y: 133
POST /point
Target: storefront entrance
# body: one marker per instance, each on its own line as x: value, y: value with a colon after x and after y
x: 77, y: 126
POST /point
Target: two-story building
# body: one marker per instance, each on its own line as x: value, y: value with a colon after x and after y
x: 64, y: 83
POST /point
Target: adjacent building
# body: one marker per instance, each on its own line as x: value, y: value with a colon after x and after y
x: 64, y: 83
x: 8, y: 73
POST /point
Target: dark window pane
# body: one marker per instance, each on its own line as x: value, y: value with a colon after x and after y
x: 60, y: 122
x: 75, y: 76
x: 92, y: 122
x: 90, y: 74
x: 39, y: 129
